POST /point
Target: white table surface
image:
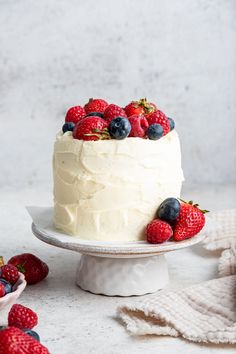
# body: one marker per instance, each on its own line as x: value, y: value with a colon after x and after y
x: 74, y: 321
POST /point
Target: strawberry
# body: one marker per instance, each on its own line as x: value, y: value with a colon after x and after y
x: 158, y: 117
x: 113, y: 111
x: 14, y: 341
x: 158, y: 231
x: 95, y: 105
x: 2, y: 290
x: 10, y: 273
x: 31, y: 266
x: 91, y: 128
x: 190, y: 221
x: 22, y: 317
x: 140, y: 107
x: 75, y: 114
x: 139, y: 125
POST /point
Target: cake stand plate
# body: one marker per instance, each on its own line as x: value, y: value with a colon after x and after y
x: 112, y: 268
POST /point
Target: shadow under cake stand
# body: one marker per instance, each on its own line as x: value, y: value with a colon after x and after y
x: 112, y: 268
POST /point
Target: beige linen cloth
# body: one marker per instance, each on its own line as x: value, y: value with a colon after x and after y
x: 205, y: 312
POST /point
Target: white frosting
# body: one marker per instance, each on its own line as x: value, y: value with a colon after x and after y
x: 110, y: 189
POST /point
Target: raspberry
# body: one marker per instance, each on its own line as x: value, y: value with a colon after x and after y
x: 139, y: 125
x: 113, y: 111
x: 158, y: 231
x: 159, y: 117
x: 22, y: 317
x: 10, y: 273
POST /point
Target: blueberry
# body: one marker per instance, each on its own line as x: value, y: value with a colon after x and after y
x: 155, y: 131
x: 68, y: 127
x: 172, y: 123
x: 119, y: 128
x: 32, y: 333
x: 8, y: 287
x: 169, y: 209
x: 96, y: 114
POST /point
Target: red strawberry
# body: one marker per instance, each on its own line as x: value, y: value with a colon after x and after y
x: 31, y: 266
x: 75, y: 114
x: 10, y: 273
x: 139, y: 125
x: 189, y: 222
x: 22, y: 317
x: 2, y: 290
x: 113, y: 111
x: 95, y: 105
x: 14, y: 341
x: 159, y: 117
x: 91, y: 128
x: 158, y: 231
x: 140, y: 107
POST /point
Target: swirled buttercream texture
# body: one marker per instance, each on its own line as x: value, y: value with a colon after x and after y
x: 109, y: 190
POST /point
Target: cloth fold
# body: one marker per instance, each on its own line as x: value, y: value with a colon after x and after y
x: 205, y: 312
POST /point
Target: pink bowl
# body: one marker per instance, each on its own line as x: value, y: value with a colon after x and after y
x: 11, y: 298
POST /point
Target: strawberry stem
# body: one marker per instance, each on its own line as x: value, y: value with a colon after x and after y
x: 1, y: 261
x: 204, y: 211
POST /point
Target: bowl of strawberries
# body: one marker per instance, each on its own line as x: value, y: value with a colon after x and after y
x: 12, y: 284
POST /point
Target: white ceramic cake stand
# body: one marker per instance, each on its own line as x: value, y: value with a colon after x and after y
x: 112, y: 268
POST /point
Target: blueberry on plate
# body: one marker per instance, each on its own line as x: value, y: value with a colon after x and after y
x: 119, y: 128
x: 96, y: 114
x: 172, y: 123
x: 31, y: 333
x: 68, y: 127
x: 8, y: 286
x: 155, y: 131
x: 169, y: 209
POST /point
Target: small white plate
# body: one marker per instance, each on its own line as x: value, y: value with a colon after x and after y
x: 11, y: 298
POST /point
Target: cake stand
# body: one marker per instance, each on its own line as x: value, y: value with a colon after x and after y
x: 112, y: 268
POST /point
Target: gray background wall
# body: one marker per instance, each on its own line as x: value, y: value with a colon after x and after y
x: 55, y: 53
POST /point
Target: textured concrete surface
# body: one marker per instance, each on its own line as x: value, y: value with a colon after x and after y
x: 180, y: 54
x: 74, y: 321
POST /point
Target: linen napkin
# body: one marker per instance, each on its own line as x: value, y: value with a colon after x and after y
x: 205, y: 312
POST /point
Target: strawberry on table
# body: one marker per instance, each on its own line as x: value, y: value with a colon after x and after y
x: 95, y: 105
x: 22, y: 317
x: 15, y: 341
x: 10, y: 273
x: 190, y: 221
x: 139, y: 126
x: 91, y: 128
x: 75, y: 114
x: 31, y: 266
x: 140, y: 107
x: 113, y: 111
x: 158, y: 117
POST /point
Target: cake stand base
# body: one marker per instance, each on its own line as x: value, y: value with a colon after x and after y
x: 122, y: 276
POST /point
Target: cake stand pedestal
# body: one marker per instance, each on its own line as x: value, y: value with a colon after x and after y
x: 112, y: 268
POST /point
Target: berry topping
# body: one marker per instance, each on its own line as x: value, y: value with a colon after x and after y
x: 119, y: 128
x: 96, y: 114
x: 31, y: 333
x: 95, y: 105
x: 31, y: 266
x: 75, y: 114
x: 172, y: 123
x: 15, y: 341
x: 190, y: 221
x: 169, y: 209
x: 158, y: 231
x: 155, y: 131
x: 140, y: 107
x: 2, y: 290
x: 159, y: 118
x: 22, y: 317
x: 68, y: 127
x: 139, y: 125
x: 10, y: 273
x: 113, y: 111
x: 7, y: 285
x: 91, y: 128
